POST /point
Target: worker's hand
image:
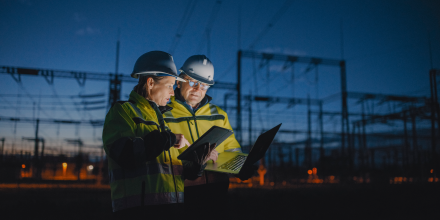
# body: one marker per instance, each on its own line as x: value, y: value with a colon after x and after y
x: 213, y: 155
x: 202, y: 156
x: 246, y: 172
x: 181, y: 141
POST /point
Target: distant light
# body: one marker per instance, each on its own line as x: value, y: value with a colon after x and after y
x: 432, y: 170
x: 309, y: 172
x: 64, y: 169
x: 314, y: 170
x: 23, y: 166
x: 90, y: 167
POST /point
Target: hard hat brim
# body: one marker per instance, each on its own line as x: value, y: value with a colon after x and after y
x: 156, y: 73
x: 198, y: 78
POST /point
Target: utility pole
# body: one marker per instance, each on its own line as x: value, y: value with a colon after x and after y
x: 435, y: 114
x: 363, y: 145
x: 344, y: 120
x: 115, y: 83
x: 308, y: 148
x: 36, y: 169
x: 239, y: 96
x: 321, y: 129
x: 3, y: 144
x: 250, y: 121
x: 414, y: 133
x: 38, y: 160
x: 101, y: 165
x: 79, y: 158
x: 406, y: 148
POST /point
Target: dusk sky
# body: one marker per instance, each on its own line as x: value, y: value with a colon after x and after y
x: 385, y: 44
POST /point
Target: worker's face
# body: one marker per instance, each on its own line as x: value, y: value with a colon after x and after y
x: 192, y: 95
x: 161, y: 91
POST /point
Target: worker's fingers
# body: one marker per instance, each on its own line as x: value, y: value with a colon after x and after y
x: 187, y: 143
x: 207, y: 149
x: 214, y: 151
x: 181, y: 141
x: 214, y: 155
x: 212, y: 146
x: 178, y: 140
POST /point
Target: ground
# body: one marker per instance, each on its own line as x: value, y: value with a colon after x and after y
x: 314, y: 201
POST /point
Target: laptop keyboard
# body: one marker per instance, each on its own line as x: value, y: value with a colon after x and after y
x: 234, y: 164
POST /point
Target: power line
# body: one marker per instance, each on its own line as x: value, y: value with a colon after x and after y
x: 53, y: 109
x: 54, y: 121
x: 207, y: 32
x: 28, y: 95
x: 183, y: 23
x: 272, y: 22
x: 56, y: 96
x: 61, y: 103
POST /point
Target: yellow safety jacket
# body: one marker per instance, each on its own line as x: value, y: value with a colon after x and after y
x: 134, y: 181
x: 182, y: 120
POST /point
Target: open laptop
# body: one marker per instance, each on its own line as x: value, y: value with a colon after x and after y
x: 232, y: 162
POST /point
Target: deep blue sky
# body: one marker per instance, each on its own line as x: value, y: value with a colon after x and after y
x: 385, y: 43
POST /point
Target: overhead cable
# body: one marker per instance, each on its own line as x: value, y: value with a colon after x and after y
x: 183, y: 23
x: 207, y: 32
x: 272, y: 22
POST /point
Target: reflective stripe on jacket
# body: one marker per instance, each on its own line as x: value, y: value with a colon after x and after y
x: 181, y: 120
x: 134, y: 181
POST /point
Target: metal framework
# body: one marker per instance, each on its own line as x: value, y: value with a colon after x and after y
x: 289, y: 60
x: 435, y: 113
x: 291, y: 102
x: 81, y: 77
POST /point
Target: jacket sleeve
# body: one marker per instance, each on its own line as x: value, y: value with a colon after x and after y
x: 122, y: 145
x: 230, y: 144
x: 156, y: 142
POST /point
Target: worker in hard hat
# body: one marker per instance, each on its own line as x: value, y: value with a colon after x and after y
x: 192, y: 115
x: 145, y: 175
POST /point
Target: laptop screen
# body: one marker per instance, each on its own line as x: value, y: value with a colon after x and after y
x: 262, y: 144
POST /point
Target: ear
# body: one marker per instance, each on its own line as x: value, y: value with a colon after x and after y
x: 178, y: 84
x: 150, y: 83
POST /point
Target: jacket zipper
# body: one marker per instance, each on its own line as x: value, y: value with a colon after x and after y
x: 189, y: 128
x: 197, y: 131
x: 162, y: 129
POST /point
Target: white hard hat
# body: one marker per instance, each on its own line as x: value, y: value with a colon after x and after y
x: 200, y: 68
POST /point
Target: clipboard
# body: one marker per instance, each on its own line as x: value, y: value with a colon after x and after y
x: 215, y: 135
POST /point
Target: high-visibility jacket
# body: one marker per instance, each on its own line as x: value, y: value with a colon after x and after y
x: 134, y: 181
x: 182, y: 120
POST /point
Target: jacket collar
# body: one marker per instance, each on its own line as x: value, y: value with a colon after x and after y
x: 165, y: 108
x: 138, y: 99
x: 178, y: 96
